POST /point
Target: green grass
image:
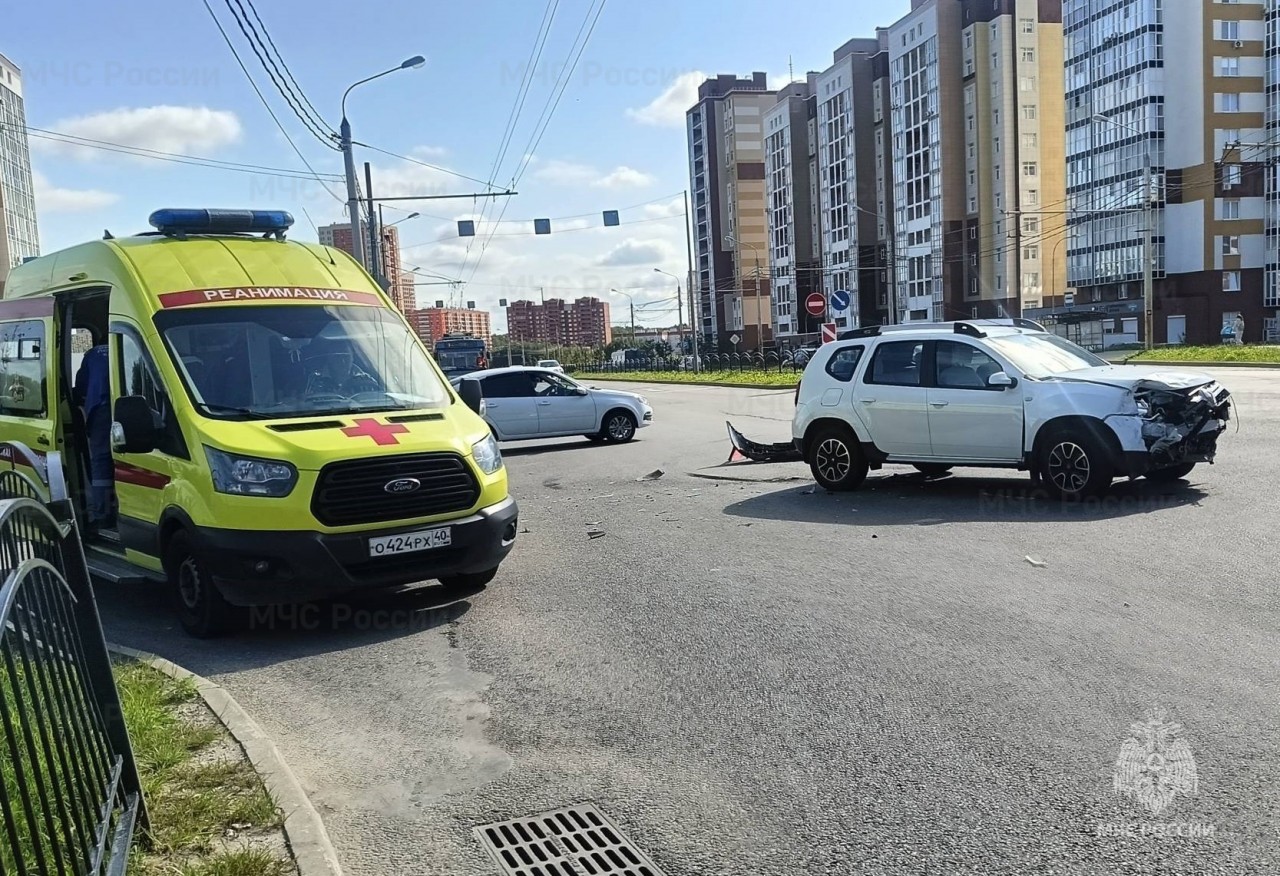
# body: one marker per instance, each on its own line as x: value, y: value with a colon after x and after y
x: 192, y: 802
x: 1220, y: 353
x: 753, y: 378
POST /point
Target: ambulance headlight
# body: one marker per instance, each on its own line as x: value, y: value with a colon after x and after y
x: 487, y: 454
x: 246, y: 476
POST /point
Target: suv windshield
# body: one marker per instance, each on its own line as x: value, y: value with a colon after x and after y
x: 1043, y: 355
x: 245, y: 362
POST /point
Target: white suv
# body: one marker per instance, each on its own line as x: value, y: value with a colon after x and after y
x: 999, y: 393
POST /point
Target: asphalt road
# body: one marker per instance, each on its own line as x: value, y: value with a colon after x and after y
x: 753, y: 677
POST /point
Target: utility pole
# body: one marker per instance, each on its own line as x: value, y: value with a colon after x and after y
x: 1148, y: 255
x: 375, y: 232
x: 695, y: 317
x: 1017, y: 257
x: 353, y: 199
x: 680, y: 316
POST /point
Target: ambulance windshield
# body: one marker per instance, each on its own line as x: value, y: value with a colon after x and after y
x: 275, y: 361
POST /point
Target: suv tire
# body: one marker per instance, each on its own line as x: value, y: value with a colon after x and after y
x: 1074, y: 463
x: 836, y: 460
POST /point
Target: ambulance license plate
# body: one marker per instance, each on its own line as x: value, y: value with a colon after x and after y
x: 408, y: 542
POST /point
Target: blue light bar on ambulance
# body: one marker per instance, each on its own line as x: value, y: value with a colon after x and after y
x: 172, y: 221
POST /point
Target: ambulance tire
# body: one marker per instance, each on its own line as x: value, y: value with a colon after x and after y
x: 201, y: 609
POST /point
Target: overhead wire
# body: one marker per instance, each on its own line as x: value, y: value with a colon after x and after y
x: 320, y: 131
x: 313, y: 113
x: 267, y: 106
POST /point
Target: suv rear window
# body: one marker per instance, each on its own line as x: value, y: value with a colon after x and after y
x: 844, y: 362
x: 896, y: 363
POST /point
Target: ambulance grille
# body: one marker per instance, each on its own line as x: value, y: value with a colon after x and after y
x: 355, y: 492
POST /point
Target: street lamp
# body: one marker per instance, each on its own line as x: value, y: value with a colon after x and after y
x: 680, y: 315
x: 1148, y: 302
x: 633, y: 314
x: 344, y: 133
x: 735, y: 242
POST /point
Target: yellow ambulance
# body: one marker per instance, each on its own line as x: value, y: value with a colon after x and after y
x: 276, y: 431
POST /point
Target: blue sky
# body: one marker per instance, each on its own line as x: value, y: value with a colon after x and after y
x: 162, y: 78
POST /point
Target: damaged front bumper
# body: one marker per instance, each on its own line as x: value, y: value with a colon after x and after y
x: 781, y: 452
x: 1177, y: 427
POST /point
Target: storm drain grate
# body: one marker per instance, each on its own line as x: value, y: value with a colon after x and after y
x: 574, y: 841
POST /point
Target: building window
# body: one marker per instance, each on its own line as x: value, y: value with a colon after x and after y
x: 1031, y: 281
x: 1230, y: 136
x: 1028, y: 56
x: 1231, y: 245
x: 1030, y: 168
x: 1229, y: 67
x: 1231, y: 208
x: 1229, y: 103
x: 1030, y: 225
x: 1229, y: 30
x: 1029, y: 112
x: 1231, y: 175
x: 1028, y: 25
x: 1230, y: 281
x: 1029, y: 141
x: 1031, y: 253
x: 1032, y: 197
x: 1027, y: 83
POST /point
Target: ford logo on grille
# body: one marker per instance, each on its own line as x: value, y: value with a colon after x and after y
x: 403, y: 485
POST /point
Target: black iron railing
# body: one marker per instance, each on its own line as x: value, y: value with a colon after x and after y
x: 713, y: 362
x: 70, y: 795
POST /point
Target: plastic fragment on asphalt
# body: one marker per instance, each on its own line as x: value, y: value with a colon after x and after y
x: 809, y: 492
x: 652, y: 476
x: 595, y: 533
x: 1039, y: 564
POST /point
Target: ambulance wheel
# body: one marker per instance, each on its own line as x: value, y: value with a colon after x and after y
x: 201, y: 609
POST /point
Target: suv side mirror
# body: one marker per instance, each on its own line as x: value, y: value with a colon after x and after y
x: 471, y: 393
x: 1002, y: 380
x: 134, y: 428
x: 580, y: 390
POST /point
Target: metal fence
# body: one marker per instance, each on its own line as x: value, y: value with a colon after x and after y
x: 714, y: 362
x: 70, y: 796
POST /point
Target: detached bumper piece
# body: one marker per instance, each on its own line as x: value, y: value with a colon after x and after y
x: 743, y: 446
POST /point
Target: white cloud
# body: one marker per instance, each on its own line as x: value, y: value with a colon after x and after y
x: 53, y: 199
x: 667, y: 109
x: 624, y: 177
x: 665, y: 210
x: 570, y: 173
x: 188, y: 129
x: 428, y: 153
x: 634, y: 252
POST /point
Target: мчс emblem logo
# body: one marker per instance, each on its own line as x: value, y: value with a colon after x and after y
x: 1155, y: 763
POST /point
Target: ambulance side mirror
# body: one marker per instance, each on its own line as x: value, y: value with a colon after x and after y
x: 472, y: 394
x: 134, y: 429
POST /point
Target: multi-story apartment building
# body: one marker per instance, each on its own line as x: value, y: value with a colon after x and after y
x: 790, y: 159
x: 339, y: 236
x: 580, y: 323
x: 876, y: 262
x: 19, y: 237
x: 1271, y: 158
x: 1015, y: 176
x: 977, y: 119
x: 1204, y: 72
x: 433, y: 323
x: 928, y: 203
x: 846, y: 172
x: 727, y: 180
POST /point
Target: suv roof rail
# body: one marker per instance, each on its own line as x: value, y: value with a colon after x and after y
x: 966, y: 328
x: 866, y: 331
x: 1021, y: 322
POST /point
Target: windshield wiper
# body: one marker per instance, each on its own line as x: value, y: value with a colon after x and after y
x: 232, y: 409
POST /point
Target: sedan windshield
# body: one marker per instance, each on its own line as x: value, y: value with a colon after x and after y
x: 250, y: 362
x: 1044, y: 355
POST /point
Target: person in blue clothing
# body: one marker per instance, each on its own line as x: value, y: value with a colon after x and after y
x: 93, y: 395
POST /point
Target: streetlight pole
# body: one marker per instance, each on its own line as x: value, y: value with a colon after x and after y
x: 1148, y: 234
x: 633, y: 314
x: 349, y: 161
x: 695, y: 318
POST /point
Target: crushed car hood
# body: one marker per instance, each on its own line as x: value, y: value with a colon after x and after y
x: 1138, y: 376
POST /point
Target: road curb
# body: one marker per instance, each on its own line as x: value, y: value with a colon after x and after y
x: 783, y: 388
x: 308, y: 840
x: 1200, y: 364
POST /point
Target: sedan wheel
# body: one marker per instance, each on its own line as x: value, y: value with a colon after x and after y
x: 836, y: 461
x: 619, y: 427
x: 1075, y: 466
